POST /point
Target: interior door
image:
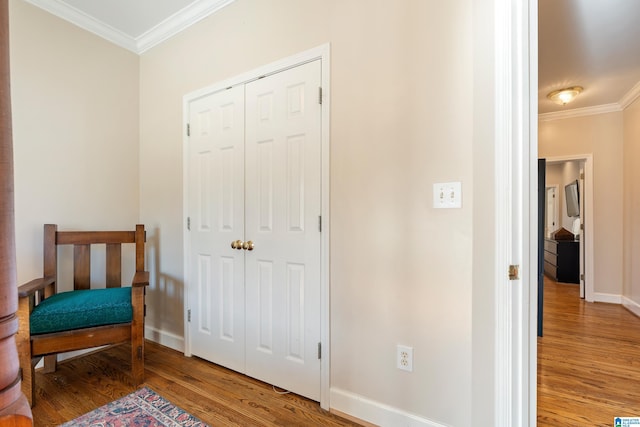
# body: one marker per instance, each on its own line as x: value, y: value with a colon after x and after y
x: 542, y: 171
x: 254, y: 208
x: 216, y: 212
x: 581, y: 203
x: 283, y: 206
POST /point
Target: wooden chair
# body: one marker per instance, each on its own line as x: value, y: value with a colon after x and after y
x: 51, y: 322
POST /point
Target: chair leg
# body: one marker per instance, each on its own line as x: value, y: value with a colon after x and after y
x: 50, y: 363
x: 28, y: 384
x: 23, y: 344
x: 137, y: 363
x: 137, y: 335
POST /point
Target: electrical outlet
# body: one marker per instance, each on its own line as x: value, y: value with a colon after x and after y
x: 404, y: 358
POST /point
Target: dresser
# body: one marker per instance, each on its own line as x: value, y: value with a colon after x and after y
x: 562, y: 260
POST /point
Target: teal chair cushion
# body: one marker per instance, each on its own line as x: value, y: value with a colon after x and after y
x: 81, y: 309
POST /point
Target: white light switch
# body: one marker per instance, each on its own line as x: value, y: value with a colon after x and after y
x: 447, y: 195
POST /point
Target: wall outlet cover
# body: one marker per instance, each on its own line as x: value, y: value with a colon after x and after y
x: 404, y: 358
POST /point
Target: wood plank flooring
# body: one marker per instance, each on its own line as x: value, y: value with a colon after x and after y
x: 588, y: 360
x: 214, y: 394
x: 588, y: 373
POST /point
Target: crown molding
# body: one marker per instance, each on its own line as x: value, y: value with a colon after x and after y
x: 171, y: 26
x: 579, y: 112
x: 621, y: 105
x: 630, y: 96
x: 179, y: 22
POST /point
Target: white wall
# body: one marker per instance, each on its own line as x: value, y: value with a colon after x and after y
x: 631, y: 198
x: 401, y: 119
x: 75, y: 131
x: 411, y: 105
x: 484, y: 232
x: 602, y: 136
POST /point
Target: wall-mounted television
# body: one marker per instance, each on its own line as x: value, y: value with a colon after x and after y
x: 572, y: 196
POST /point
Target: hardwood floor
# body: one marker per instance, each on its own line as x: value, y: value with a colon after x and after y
x: 588, y: 361
x: 214, y: 394
x: 588, y: 373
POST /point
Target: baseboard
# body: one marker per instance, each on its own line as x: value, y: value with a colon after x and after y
x: 353, y: 419
x: 608, y: 298
x: 631, y: 305
x: 164, y: 338
x: 374, y: 412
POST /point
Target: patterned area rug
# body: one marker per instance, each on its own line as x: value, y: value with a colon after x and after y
x: 142, y: 408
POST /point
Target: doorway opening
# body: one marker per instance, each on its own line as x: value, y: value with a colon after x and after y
x: 582, y: 166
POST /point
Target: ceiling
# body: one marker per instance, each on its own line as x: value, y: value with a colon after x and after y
x: 590, y: 43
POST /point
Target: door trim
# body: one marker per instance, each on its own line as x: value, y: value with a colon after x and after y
x: 515, y: 179
x: 323, y: 54
x: 587, y: 220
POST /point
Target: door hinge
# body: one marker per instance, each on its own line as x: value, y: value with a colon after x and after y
x: 320, y: 223
x: 189, y: 223
x: 581, y: 226
x: 189, y: 315
x: 320, y: 95
x: 514, y: 272
x: 582, y: 176
x: 188, y: 129
x: 319, y: 350
x: 582, y: 277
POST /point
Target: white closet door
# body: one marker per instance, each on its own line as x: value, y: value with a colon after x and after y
x: 283, y: 205
x: 216, y: 210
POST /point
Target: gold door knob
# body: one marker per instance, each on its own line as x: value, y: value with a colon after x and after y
x: 248, y: 245
x: 237, y: 244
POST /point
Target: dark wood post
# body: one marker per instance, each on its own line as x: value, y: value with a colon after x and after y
x: 14, y: 408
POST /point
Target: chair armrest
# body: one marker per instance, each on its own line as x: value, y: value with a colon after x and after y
x: 141, y: 278
x: 30, y: 288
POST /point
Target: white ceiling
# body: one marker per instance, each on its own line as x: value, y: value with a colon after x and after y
x: 590, y: 43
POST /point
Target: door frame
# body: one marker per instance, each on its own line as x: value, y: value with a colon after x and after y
x: 586, y: 203
x: 515, y: 32
x: 323, y: 54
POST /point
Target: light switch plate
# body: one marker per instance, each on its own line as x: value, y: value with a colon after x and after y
x: 447, y: 195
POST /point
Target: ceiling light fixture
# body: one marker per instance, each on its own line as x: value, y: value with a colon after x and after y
x: 564, y: 96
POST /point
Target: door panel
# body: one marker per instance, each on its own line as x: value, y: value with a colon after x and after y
x: 283, y: 204
x: 216, y: 206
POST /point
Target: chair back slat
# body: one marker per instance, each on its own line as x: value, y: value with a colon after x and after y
x: 94, y: 237
x: 81, y: 267
x: 114, y: 265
